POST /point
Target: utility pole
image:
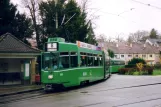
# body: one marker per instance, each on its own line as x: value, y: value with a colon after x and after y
x: 56, y: 15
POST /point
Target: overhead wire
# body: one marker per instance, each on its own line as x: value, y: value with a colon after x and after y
x: 118, y: 15
x: 109, y: 13
x: 146, y: 4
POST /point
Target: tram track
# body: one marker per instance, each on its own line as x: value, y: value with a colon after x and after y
x: 26, y: 96
x: 42, y: 94
x: 136, y: 102
x: 126, y: 87
x: 32, y: 95
x: 18, y: 97
x: 124, y: 104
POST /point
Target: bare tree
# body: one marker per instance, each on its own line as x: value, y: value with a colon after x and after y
x: 137, y: 36
x: 91, y: 16
x: 119, y: 39
x: 129, y: 40
x: 102, y: 38
x: 33, y: 7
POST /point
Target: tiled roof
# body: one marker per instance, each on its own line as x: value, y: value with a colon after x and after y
x: 136, y: 48
x: 10, y: 44
x: 155, y: 40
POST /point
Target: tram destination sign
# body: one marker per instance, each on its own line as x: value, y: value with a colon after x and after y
x: 88, y: 46
x: 52, y: 47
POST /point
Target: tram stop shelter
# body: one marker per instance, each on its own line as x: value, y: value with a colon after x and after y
x: 17, y: 61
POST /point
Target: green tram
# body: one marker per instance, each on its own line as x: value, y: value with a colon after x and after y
x: 69, y: 64
x: 115, y: 65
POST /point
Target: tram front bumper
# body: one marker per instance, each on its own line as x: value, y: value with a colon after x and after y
x: 49, y: 87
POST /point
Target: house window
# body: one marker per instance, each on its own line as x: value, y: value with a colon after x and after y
x: 143, y: 56
x: 129, y: 55
x: 117, y: 56
x: 122, y: 56
x: 150, y: 55
x: 136, y: 55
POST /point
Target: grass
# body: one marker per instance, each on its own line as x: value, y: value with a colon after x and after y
x: 136, y: 73
x: 156, y: 72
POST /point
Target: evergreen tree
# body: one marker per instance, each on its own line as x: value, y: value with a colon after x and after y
x: 13, y: 22
x: 24, y: 27
x: 48, y: 17
x: 75, y: 26
x: 7, y: 16
x: 110, y: 53
x: 90, y: 38
x: 153, y: 34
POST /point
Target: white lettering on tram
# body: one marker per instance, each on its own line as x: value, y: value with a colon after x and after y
x: 84, y: 73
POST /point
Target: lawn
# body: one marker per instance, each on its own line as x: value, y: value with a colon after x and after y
x: 157, y: 72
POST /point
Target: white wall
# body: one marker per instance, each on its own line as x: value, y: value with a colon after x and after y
x: 125, y: 58
x: 157, y: 58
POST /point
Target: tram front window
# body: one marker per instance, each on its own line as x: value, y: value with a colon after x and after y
x: 50, y: 61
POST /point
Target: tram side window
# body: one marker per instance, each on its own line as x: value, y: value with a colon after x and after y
x: 83, y: 59
x: 96, y: 61
x: 90, y: 60
x: 64, y: 59
x: 101, y: 61
x: 73, y: 59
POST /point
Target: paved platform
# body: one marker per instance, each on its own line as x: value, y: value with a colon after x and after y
x: 15, y: 89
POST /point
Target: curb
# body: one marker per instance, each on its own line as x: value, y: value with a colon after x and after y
x: 20, y: 92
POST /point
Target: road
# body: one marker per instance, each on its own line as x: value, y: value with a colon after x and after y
x: 117, y: 91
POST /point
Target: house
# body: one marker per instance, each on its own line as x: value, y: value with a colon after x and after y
x: 154, y: 42
x: 17, y: 61
x: 126, y: 52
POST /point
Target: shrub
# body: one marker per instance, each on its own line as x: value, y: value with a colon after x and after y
x: 131, y: 71
x: 150, y: 71
x: 157, y: 66
x: 144, y: 71
x: 132, y: 63
x: 124, y: 70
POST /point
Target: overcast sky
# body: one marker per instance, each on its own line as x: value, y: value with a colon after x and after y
x: 120, y: 17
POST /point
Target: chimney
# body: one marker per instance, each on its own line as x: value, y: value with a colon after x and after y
x: 131, y: 45
x: 117, y: 45
x: 144, y: 45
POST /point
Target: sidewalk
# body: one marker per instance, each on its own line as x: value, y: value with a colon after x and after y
x: 16, y: 89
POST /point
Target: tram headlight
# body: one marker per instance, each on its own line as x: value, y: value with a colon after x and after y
x: 50, y: 76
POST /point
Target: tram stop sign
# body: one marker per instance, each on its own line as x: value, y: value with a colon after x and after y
x: 139, y: 66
